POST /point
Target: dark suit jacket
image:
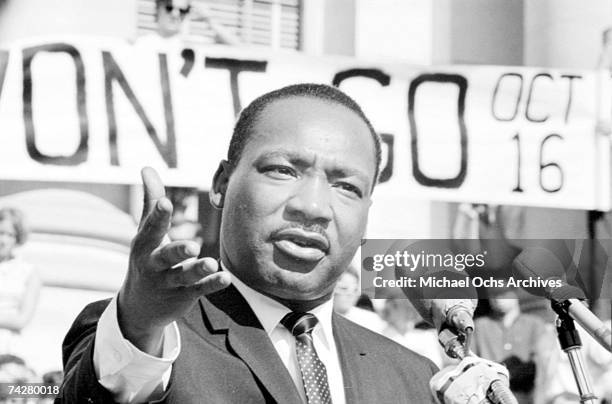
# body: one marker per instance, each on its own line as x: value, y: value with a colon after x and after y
x: 227, y: 357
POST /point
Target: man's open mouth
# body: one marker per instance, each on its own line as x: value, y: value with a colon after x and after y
x: 301, y: 244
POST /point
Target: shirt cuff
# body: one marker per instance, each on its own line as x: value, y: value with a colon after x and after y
x: 125, y: 370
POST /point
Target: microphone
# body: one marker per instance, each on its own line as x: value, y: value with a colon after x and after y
x: 550, y: 268
x: 444, y: 307
x: 452, y: 316
x: 453, y: 313
x: 455, y: 316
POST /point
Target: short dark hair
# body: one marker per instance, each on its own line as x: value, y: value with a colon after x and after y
x: 249, y: 115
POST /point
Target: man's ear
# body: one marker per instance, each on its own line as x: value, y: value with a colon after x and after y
x: 219, y: 184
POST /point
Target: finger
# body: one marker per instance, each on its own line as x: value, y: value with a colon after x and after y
x: 173, y: 253
x: 211, y: 283
x: 153, y: 190
x: 154, y: 227
x: 192, y: 272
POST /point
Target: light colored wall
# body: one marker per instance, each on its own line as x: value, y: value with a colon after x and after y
x: 441, y: 35
x: 424, y: 32
x: 487, y: 32
x: 565, y: 33
x: 27, y: 18
x: 313, y: 26
x: 400, y: 30
x: 339, y: 27
x: 328, y: 27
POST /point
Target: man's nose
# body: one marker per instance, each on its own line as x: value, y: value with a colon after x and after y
x: 311, y: 200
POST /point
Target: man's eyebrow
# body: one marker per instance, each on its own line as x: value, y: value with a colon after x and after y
x: 298, y: 158
x: 345, y: 172
x: 284, y: 153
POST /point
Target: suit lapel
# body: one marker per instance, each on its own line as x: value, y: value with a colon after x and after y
x: 354, y: 362
x: 229, y: 310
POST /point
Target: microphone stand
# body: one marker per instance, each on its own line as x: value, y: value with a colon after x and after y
x: 571, y: 345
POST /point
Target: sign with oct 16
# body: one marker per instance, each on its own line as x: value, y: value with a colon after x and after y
x: 97, y: 110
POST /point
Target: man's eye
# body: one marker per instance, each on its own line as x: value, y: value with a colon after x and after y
x: 279, y: 172
x: 345, y: 186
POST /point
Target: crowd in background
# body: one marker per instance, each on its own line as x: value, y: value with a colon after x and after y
x: 19, y: 291
x: 525, y: 343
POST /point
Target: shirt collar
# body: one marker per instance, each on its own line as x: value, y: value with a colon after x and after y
x: 269, y: 312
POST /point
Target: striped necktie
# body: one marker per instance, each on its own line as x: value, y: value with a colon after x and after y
x: 313, y: 370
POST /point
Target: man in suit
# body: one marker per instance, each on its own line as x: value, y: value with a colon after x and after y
x: 257, y: 326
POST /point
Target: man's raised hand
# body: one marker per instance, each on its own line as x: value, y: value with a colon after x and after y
x: 164, y: 278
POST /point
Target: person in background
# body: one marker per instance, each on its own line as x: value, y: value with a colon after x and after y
x: 171, y: 16
x: 512, y: 338
x: 184, y: 225
x: 50, y: 380
x: 19, y: 283
x: 402, y: 326
x: 174, y: 16
x: 346, y: 294
x: 14, y: 371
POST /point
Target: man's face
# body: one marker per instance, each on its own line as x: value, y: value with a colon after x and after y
x: 170, y: 16
x: 346, y: 293
x: 505, y: 302
x: 296, y: 204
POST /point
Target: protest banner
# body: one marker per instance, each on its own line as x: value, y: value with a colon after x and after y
x: 98, y: 109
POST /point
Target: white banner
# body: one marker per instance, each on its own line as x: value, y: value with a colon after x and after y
x: 97, y: 110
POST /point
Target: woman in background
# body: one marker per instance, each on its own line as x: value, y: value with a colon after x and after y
x: 19, y: 283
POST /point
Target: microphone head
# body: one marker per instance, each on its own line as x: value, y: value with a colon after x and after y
x: 549, y: 260
x: 533, y: 261
x: 434, y: 303
x: 544, y: 261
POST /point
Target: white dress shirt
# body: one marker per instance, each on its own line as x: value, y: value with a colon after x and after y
x: 134, y: 376
x: 130, y: 374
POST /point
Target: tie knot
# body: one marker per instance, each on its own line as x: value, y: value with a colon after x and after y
x: 299, y: 323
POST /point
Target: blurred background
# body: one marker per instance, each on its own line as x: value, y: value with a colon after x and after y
x: 79, y: 225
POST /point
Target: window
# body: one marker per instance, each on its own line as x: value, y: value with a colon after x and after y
x: 271, y: 23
